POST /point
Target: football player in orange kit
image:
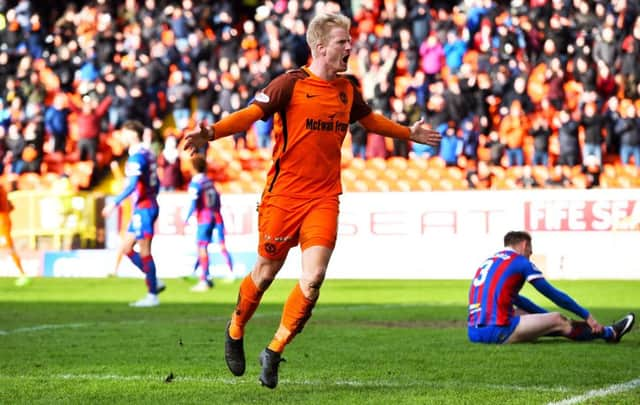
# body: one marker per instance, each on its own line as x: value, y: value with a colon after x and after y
x: 6, y: 242
x: 299, y: 204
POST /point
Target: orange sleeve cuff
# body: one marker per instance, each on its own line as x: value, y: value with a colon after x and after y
x: 239, y: 121
x: 379, y: 124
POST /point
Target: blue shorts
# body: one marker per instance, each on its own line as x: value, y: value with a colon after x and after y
x: 219, y: 228
x: 492, y: 334
x: 205, y: 232
x: 142, y: 222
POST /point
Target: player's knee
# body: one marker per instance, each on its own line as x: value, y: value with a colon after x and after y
x: 310, y: 286
x: 264, y: 273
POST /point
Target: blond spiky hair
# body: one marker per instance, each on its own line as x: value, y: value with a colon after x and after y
x: 321, y: 25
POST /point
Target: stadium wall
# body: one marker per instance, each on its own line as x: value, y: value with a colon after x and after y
x: 578, y: 234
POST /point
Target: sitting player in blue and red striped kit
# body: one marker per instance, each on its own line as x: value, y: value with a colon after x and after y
x: 205, y: 202
x: 499, y: 314
x: 143, y: 185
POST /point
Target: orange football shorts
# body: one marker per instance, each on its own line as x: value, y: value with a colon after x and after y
x: 283, y: 222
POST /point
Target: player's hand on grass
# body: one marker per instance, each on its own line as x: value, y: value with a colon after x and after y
x: 198, y: 138
x: 595, y: 326
x: 421, y: 133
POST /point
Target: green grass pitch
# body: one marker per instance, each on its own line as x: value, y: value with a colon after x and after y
x: 76, y: 341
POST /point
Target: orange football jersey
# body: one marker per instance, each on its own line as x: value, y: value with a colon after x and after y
x: 315, y: 116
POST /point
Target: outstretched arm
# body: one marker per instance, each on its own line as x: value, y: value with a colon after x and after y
x: 559, y: 298
x: 131, y: 186
x: 418, y: 132
x: 564, y: 301
x: 526, y: 304
x: 239, y: 121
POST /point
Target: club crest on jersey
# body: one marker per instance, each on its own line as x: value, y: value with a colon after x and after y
x: 262, y: 98
x: 343, y: 97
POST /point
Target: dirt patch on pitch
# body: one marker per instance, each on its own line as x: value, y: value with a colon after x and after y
x: 435, y: 324
x: 405, y: 324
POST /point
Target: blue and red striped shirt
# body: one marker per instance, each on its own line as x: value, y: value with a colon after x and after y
x: 205, y: 199
x: 142, y: 178
x: 496, y: 285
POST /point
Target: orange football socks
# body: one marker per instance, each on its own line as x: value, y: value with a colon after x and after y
x: 248, y: 301
x: 17, y: 262
x: 297, y: 310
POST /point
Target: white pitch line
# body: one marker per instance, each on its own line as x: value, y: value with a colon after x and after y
x: 37, y: 328
x: 602, y: 392
x: 45, y: 327
x: 351, y: 383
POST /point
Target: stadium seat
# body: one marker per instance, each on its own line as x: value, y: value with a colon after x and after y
x: 424, y: 185
x: 47, y: 180
x: 357, y: 164
x: 455, y: 173
x: 245, y: 176
x: 233, y: 169
x: 498, y: 172
x: 401, y: 185
x: 436, y: 172
x: 437, y: 161
x: 575, y: 171
x: 380, y: 185
x: 418, y: 163
x: 231, y: 187
x: 514, y: 172
x: 348, y: 174
x: 446, y: 184
x: 259, y: 175
x: 412, y: 174
x: 29, y: 181
x: 251, y: 186
x: 80, y: 175
x: 369, y: 174
x: 608, y: 182
x: 376, y: 163
x: 625, y: 182
x: 540, y: 173
x: 390, y: 174
x: 397, y: 163
x: 359, y: 186
x: 579, y: 181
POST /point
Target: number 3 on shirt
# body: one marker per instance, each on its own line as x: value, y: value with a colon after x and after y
x: 482, y: 275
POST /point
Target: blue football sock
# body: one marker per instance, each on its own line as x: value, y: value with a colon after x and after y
x: 135, y: 259
x: 149, y: 268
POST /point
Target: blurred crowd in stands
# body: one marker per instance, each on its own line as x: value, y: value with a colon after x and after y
x: 525, y: 83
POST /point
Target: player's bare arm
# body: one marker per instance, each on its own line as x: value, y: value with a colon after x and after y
x: 421, y: 133
x: 418, y: 132
x: 198, y: 137
x: 238, y: 121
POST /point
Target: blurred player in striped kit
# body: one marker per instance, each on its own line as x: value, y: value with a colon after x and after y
x: 205, y: 202
x: 498, y: 314
x: 142, y: 183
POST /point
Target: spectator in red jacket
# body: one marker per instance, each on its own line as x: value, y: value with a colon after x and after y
x: 88, y: 118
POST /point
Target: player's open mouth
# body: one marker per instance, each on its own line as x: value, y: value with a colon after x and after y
x: 345, y: 58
